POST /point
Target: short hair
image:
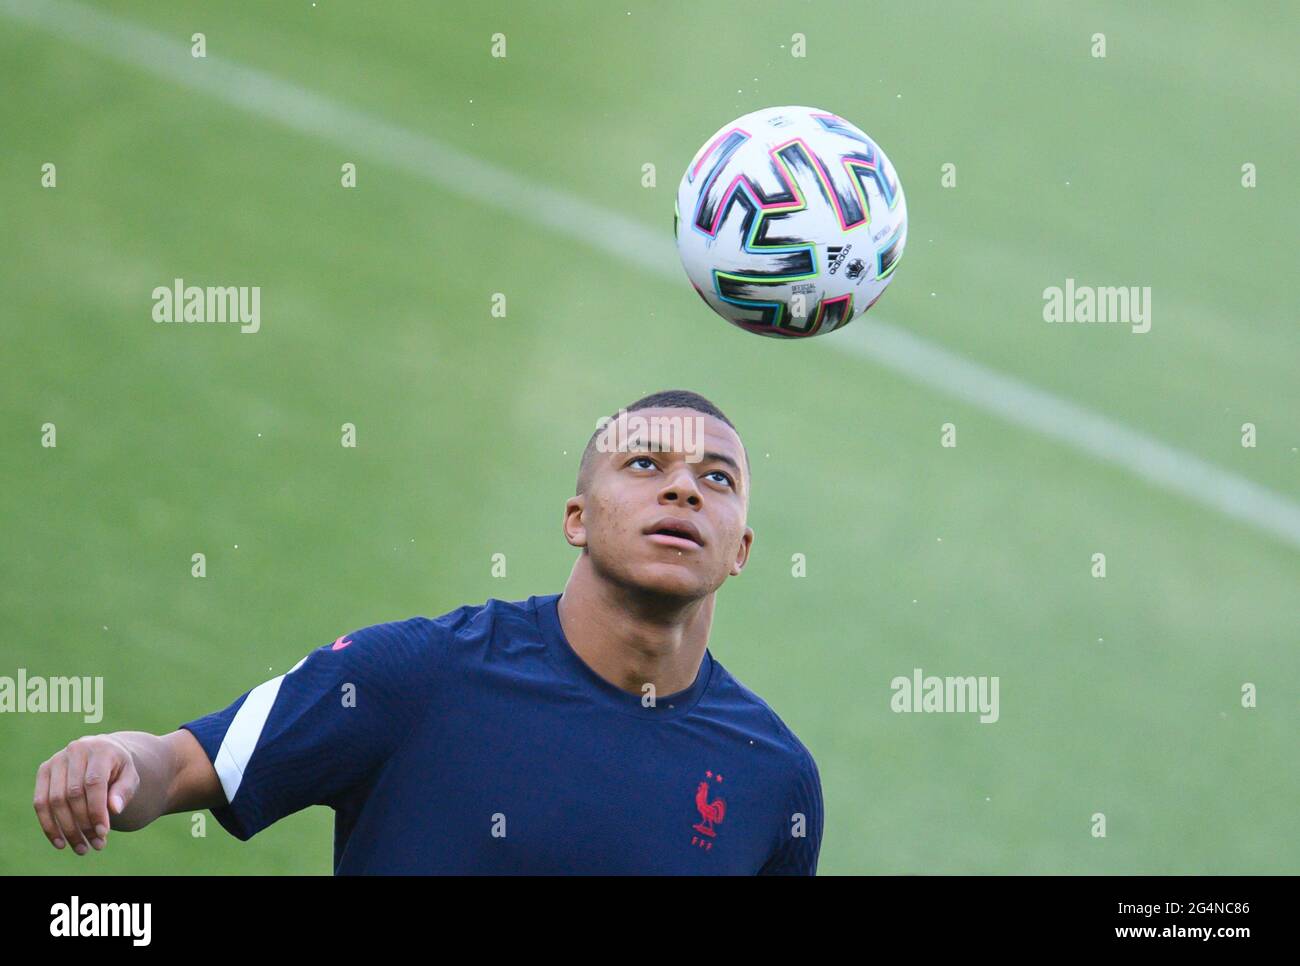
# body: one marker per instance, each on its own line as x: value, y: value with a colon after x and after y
x: 665, y: 399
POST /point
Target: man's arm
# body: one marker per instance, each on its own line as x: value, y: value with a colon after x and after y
x: 122, y: 780
x: 303, y: 741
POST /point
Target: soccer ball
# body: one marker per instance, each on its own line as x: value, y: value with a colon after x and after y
x: 790, y: 222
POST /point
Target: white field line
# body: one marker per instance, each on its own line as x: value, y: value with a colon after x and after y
x: 483, y: 182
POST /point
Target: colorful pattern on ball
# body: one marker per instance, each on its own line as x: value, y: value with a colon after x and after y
x: 795, y: 217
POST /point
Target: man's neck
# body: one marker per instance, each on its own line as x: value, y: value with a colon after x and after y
x: 631, y: 639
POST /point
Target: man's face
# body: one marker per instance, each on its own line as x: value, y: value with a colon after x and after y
x: 652, y: 520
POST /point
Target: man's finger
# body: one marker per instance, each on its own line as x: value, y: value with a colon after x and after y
x: 98, y: 767
x: 123, y: 788
x: 59, y: 802
x: 77, y: 794
x: 41, y: 803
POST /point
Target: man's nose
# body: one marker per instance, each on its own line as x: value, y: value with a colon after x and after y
x: 680, y: 488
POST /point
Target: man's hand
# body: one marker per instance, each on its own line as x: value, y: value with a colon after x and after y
x: 123, y: 781
x: 77, y: 788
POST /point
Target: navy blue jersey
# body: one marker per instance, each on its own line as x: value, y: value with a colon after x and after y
x: 480, y: 742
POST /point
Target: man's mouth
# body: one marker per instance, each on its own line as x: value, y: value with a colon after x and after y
x: 675, y: 532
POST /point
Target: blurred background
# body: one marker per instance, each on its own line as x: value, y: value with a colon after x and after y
x: 523, y: 175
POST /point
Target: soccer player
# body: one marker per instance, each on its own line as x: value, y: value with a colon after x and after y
x: 583, y: 732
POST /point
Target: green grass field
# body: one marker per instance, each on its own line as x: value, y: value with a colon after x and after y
x: 1118, y: 695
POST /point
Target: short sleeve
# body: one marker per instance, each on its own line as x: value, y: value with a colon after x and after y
x: 321, y: 730
x: 801, y: 836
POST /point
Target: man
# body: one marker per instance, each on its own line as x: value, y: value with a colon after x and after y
x: 585, y: 732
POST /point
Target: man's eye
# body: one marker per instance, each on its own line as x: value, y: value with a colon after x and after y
x: 725, y: 478
x: 642, y: 459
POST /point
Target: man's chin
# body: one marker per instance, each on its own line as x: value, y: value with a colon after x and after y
x: 675, y: 581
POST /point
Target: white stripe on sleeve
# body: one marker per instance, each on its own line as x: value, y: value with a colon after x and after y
x: 241, y: 738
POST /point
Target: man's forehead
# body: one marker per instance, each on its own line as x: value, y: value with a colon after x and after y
x: 717, y: 436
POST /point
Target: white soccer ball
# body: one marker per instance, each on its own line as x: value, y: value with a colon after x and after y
x: 790, y: 222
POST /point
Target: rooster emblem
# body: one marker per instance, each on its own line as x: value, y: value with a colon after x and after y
x: 711, y: 812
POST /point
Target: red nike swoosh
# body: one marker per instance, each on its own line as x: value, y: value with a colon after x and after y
x: 340, y: 644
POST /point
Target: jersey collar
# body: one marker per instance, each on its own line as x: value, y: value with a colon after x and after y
x: 575, y: 669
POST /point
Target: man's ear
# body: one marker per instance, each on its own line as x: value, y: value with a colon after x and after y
x: 742, y: 554
x: 575, y: 531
